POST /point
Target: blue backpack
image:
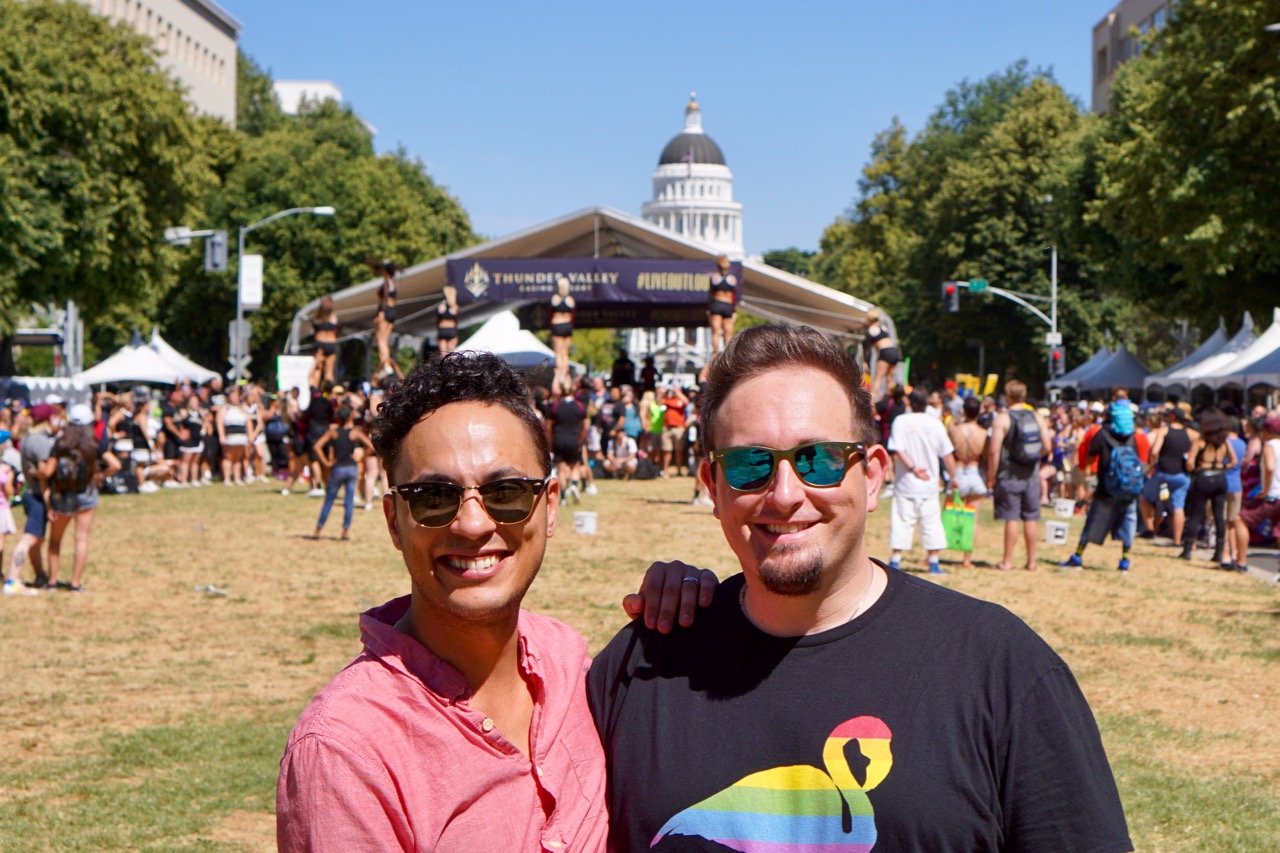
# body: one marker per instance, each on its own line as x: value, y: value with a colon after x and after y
x: 1124, y: 475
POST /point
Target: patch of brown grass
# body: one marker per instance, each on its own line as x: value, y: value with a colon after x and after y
x: 1190, y: 649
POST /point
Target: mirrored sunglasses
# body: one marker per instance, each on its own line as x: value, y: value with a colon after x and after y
x: 436, y: 504
x: 820, y: 463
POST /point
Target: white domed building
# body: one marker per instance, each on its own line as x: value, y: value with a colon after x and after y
x: 693, y: 197
x: 693, y: 189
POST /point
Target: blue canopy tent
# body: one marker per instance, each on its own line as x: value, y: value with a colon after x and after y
x: 1121, y: 369
x: 1068, y: 380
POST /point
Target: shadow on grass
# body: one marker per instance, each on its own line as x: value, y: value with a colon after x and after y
x: 156, y: 787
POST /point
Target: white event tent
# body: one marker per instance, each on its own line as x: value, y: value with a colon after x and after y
x: 189, y: 369
x: 1236, y: 371
x: 501, y: 335
x: 132, y: 363
x: 156, y: 363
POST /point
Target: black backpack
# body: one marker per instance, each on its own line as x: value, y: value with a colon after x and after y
x: 1023, y: 440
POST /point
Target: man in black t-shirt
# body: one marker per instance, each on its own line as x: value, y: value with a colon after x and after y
x: 824, y: 701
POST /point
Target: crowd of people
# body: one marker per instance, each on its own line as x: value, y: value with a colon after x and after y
x: 1204, y: 477
x: 1162, y: 472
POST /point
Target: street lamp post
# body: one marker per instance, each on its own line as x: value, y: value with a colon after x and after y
x: 240, y: 338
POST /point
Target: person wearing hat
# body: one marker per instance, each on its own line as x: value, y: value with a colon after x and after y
x: 1207, y: 461
x: 37, y: 445
x: 1109, y: 512
x: 72, y: 474
x: 1268, y: 509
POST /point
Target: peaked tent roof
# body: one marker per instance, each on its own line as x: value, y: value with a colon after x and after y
x: 501, y: 335
x: 1264, y: 371
x: 1235, y: 370
x: 131, y: 363
x: 1188, y: 376
x: 187, y: 368
x: 1071, y: 377
x: 1121, y: 369
x: 590, y: 232
x: 1211, y: 345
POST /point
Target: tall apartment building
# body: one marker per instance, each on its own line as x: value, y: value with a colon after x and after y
x: 1114, y: 41
x: 195, y: 42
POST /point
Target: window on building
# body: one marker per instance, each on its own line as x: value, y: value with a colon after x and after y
x: 1100, y: 65
x: 1159, y: 19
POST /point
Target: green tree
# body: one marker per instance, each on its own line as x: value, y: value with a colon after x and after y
x: 387, y: 206
x: 791, y: 260
x: 98, y: 154
x: 1189, y: 186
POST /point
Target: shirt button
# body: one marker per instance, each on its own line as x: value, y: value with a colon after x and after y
x: 487, y: 725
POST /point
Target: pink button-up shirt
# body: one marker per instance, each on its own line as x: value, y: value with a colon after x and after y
x: 391, y: 755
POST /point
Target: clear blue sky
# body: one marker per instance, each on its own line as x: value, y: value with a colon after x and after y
x: 527, y: 111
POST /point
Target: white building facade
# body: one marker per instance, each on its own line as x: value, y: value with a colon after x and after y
x: 693, y: 197
x: 195, y: 42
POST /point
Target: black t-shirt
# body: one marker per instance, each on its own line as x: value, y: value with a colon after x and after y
x: 934, y: 722
x: 566, y: 423
x: 319, y: 414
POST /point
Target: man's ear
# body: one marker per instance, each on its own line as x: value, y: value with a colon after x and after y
x: 393, y: 525
x: 552, y: 493
x: 707, y: 474
x: 876, y: 465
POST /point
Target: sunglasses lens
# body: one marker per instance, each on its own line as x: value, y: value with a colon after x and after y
x: 508, y: 501
x: 747, y: 468
x: 434, y: 504
x: 821, y: 464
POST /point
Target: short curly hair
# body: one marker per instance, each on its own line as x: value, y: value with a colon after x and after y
x: 458, y: 377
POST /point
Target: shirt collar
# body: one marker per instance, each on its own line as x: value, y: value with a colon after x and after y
x: 398, y: 650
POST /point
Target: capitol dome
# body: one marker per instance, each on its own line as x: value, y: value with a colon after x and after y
x: 693, y: 189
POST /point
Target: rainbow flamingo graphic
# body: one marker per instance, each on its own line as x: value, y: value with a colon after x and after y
x: 797, y: 808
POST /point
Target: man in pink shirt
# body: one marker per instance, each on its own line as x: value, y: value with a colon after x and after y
x: 463, y: 725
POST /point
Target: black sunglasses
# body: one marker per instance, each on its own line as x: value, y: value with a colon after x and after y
x: 436, y: 504
x: 819, y: 463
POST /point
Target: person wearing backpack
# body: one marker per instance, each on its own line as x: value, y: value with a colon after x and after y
x: 72, y: 473
x: 1122, y: 455
x: 1020, y: 437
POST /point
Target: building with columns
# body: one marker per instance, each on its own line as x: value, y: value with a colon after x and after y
x: 693, y: 197
x: 195, y: 42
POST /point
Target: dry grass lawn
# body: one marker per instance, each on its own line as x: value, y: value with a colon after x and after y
x: 145, y: 714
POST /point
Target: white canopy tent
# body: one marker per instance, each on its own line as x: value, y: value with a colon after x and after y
x: 187, y: 368
x: 596, y: 232
x: 501, y: 335
x: 132, y: 363
x: 1186, y: 378
x: 1236, y: 370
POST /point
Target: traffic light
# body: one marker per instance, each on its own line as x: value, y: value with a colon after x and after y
x: 215, y: 252
x: 1057, y: 362
x: 951, y: 297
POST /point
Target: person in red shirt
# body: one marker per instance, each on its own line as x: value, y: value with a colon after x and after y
x: 463, y: 724
x: 673, y: 451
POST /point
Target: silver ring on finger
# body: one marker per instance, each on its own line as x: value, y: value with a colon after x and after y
x: 691, y: 579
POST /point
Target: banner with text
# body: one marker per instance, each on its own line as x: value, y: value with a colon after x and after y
x: 612, y: 280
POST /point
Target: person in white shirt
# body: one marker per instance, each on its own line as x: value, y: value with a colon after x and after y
x: 920, y: 446
x: 622, y: 455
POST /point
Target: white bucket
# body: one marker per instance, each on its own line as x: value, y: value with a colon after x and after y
x: 1064, y: 507
x: 585, y: 523
x: 1055, y: 532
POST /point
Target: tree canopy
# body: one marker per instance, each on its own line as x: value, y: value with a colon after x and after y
x: 1167, y: 208
x: 98, y: 154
